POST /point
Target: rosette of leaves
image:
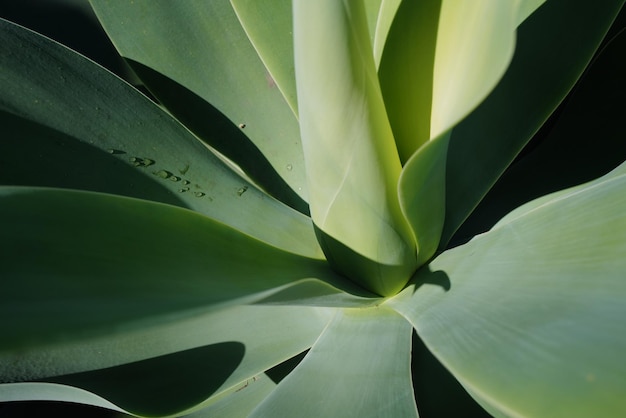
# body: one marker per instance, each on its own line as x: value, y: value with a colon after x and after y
x: 319, y: 179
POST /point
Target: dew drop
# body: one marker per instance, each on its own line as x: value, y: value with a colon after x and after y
x: 183, y: 190
x: 163, y: 174
x: 242, y: 125
x: 242, y: 190
x: 289, y: 167
x: 174, y: 178
x: 115, y: 151
x: 147, y: 162
x: 185, y: 182
x: 198, y: 194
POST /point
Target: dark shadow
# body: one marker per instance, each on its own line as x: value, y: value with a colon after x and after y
x: 162, y: 385
x: 280, y: 371
x: 34, y: 155
x: 437, y: 392
x: 193, y: 111
x: 424, y: 276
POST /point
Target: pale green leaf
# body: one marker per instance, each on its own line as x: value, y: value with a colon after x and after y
x: 351, y: 160
x: 241, y: 402
x: 440, y: 60
x: 406, y: 73
x: 68, y: 122
x: 475, y: 43
x: 422, y: 190
x: 487, y: 141
x: 201, y: 47
x: 540, y: 298
x: 386, y: 15
x: 81, y: 263
x: 39, y: 391
x: 359, y: 366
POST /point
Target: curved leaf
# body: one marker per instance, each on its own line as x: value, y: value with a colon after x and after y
x: 548, y: 60
x: 52, y: 392
x: 406, y: 72
x: 79, y: 263
x: 359, y: 366
x: 236, y: 345
x: 351, y: 161
x: 386, y: 15
x: 441, y: 59
x: 202, y: 47
x: 422, y: 192
x: 78, y: 112
x: 539, y: 298
x: 565, y: 155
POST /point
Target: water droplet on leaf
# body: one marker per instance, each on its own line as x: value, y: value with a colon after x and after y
x: 242, y: 190
x: 163, y: 174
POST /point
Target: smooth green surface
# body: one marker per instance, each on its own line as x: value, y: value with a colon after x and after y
x: 352, y: 163
x: 541, y: 298
x: 66, y: 268
x: 485, y: 143
x: 69, y: 123
x: 359, y: 367
x: 263, y: 338
x: 215, y: 358
x: 406, y: 71
x: 268, y: 25
x: 52, y: 392
x: 422, y: 189
x: 241, y: 402
x: 214, y: 44
x: 386, y: 15
x: 475, y: 44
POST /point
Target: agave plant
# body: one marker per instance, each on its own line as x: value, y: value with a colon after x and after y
x: 312, y: 181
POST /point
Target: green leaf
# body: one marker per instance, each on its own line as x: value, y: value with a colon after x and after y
x: 564, y: 156
x: 88, y: 252
x: 351, y: 161
x: 268, y: 25
x: 386, y: 15
x: 242, y: 402
x: 485, y: 143
x: 38, y: 391
x: 422, y: 195
x: 359, y: 366
x: 406, y: 71
x: 539, y: 297
x: 205, y: 360
x: 441, y: 59
x: 80, y: 119
x: 217, y: 63
x: 475, y: 43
